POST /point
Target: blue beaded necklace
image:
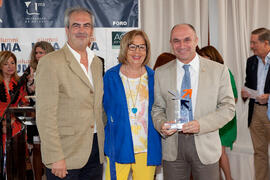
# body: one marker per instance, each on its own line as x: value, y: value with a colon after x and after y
x: 134, y: 109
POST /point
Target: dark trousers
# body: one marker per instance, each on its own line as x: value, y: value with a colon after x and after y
x: 92, y: 170
x: 188, y: 161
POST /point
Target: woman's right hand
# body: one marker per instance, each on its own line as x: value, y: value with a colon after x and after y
x: 4, y: 127
x: 30, y: 77
x: 4, y: 124
x: 30, y: 82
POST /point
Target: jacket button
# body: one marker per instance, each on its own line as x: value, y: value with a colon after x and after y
x: 92, y: 126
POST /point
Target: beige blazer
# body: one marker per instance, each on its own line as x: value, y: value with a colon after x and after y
x: 67, y: 108
x: 215, y: 107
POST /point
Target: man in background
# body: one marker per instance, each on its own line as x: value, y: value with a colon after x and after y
x: 258, y: 78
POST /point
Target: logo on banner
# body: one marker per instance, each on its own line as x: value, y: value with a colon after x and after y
x: 32, y: 8
x: 116, y: 38
x: 1, y: 3
x: 34, y: 13
x: 120, y: 23
x: 9, y: 44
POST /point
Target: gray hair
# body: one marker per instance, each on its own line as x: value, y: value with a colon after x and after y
x: 69, y: 11
x: 189, y: 25
x: 263, y: 34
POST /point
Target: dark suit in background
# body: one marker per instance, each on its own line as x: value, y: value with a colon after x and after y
x: 251, y: 82
x: 258, y: 78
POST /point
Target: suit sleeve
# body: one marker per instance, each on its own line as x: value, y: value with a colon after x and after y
x: 47, y: 94
x: 249, y: 80
x: 225, y: 108
x: 159, y: 107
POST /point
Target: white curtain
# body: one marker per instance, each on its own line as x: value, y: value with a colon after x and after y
x: 230, y: 24
x: 234, y: 23
x: 159, y: 16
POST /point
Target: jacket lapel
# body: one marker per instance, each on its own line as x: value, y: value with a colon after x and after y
x: 96, y: 73
x: 75, y: 67
x: 173, y: 76
x: 202, y: 78
x: 267, y: 84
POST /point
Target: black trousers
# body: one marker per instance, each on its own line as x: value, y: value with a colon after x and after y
x: 92, y: 170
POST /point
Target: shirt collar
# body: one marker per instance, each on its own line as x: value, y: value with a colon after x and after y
x: 267, y: 58
x: 194, y: 63
x: 90, y: 54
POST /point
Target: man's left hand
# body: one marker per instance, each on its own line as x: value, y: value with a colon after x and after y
x: 263, y: 99
x: 191, y: 127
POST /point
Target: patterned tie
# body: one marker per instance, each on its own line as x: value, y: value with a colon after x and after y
x: 186, y: 105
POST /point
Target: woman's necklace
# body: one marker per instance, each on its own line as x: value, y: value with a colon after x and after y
x: 7, y: 84
x: 134, y: 109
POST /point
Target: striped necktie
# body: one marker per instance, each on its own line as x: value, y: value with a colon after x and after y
x: 186, y: 94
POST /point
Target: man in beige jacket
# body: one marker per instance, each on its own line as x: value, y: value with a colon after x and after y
x: 69, y: 92
x: 197, y: 147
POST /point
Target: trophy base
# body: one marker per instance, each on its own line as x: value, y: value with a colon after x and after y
x: 177, y: 126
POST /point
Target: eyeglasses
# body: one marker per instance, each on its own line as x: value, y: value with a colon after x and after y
x: 133, y: 47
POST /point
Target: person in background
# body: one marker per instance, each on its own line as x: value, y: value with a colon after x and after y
x: 258, y: 78
x: 131, y: 141
x: 39, y: 49
x: 8, y: 86
x: 228, y: 132
x: 163, y: 58
x: 69, y: 91
x: 195, y: 92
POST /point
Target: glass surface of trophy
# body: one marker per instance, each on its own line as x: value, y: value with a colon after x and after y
x: 181, y: 113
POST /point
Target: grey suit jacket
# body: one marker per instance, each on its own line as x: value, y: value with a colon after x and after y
x: 215, y: 107
x: 67, y: 108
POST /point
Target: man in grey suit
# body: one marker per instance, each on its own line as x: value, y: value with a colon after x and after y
x: 196, y: 147
x: 69, y: 90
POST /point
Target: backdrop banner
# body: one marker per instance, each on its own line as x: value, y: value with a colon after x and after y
x: 24, y: 22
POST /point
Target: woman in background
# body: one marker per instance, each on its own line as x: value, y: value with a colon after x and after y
x: 228, y: 132
x: 8, y: 86
x: 163, y: 58
x: 39, y: 50
x: 131, y: 141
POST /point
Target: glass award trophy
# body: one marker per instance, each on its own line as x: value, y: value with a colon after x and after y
x: 181, y: 114
x: 181, y: 111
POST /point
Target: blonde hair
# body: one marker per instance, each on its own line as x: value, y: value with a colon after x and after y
x: 4, y: 56
x: 127, y: 39
x: 47, y: 47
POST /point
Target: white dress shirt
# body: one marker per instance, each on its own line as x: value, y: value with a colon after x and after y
x: 90, y: 56
x: 194, y: 78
